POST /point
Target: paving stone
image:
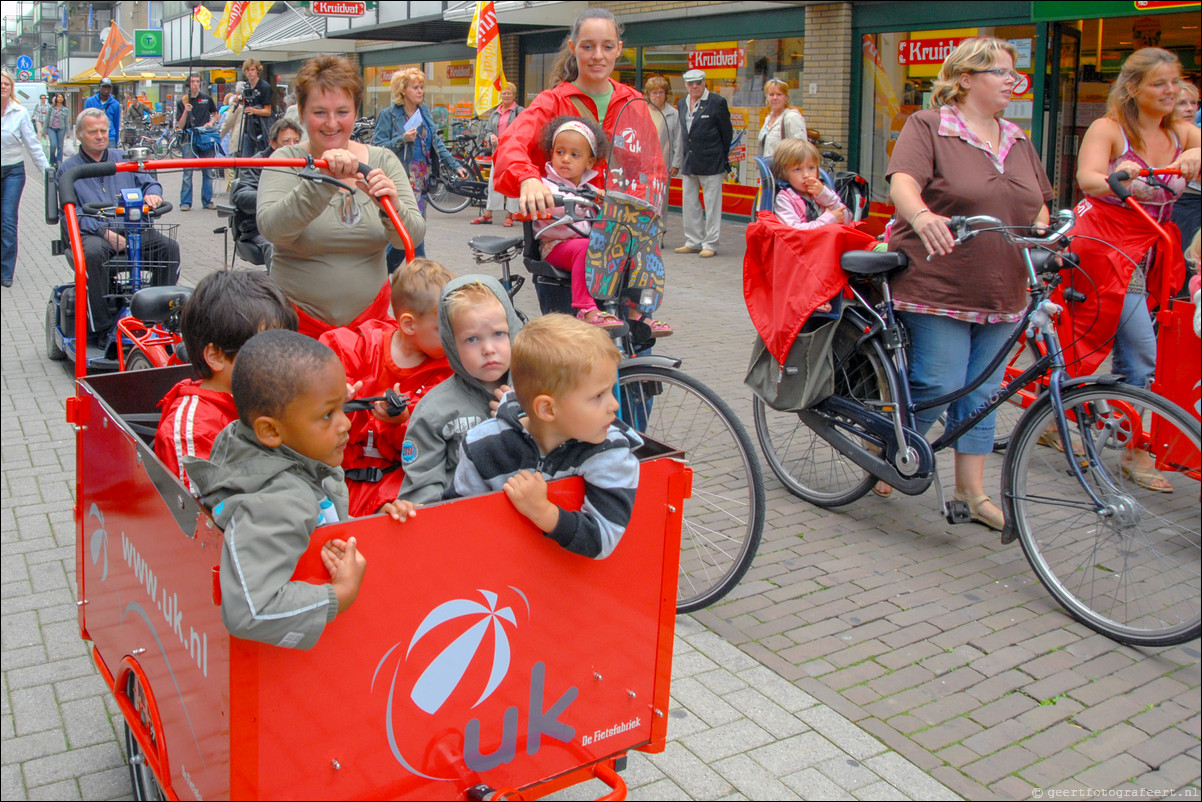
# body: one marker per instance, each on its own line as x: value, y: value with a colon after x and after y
x: 729, y: 739
x: 779, y: 722
x: 902, y: 774
x: 687, y: 771
x: 751, y: 780
x: 793, y: 754
x: 813, y: 784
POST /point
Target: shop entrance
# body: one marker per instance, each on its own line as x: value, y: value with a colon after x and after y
x: 1060, y: 120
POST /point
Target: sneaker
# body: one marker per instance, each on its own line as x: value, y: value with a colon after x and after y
x: 183, y: 207
x: 211, y: 206
x: 687, y: 249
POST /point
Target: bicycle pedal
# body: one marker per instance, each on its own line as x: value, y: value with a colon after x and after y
x: 958, y: 512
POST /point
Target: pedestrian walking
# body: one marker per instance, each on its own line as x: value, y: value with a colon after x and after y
x: 104, y: 100
x: 18, y: 134
x: 705, y: 137
x: 195, y: 110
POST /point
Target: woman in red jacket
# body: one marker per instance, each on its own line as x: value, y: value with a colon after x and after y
x: 582, y: 86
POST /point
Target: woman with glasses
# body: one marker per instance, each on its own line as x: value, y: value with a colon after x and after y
x: 960, y: 157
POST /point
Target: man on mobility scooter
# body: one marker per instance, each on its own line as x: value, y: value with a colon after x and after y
x: 102, y: 240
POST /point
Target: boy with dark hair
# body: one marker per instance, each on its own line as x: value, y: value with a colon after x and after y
x: 274, y: 477
x: 405, y: 354
x: 559, y: 420
x: 225, y: 310
x: 476, y: 322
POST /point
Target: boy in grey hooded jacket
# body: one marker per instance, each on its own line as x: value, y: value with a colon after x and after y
x: 272, y: 478
x: 430, y: 452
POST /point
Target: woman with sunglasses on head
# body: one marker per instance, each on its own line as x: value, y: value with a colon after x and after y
x: 784, y: 120
x: 960, y: 157
x: 1118, y: 274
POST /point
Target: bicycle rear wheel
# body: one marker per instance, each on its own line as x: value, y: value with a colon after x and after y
x: 443, y: 199
x: 808, y: 466
x: 1133, y: 569
x: 724, y: 518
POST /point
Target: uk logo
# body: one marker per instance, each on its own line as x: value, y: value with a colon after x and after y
x: 455, y: 661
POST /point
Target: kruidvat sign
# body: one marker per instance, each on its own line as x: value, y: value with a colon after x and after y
x: 717, y: 59
x: 927, y: 51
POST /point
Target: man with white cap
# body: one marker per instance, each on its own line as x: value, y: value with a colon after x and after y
x: 705, y: 134
x: 105, y: 101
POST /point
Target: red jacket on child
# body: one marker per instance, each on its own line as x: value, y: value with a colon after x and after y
x: 366, y: 354
x: 191, y: 420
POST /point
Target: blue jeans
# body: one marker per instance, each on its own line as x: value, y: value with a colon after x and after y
x: 56, y: 135
x: 12, y: 184
x: 1134, y: 353
x: 206, y: 182
x: 945, y: 355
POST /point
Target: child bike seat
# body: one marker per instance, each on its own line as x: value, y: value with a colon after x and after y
x: 156, y: 304
x: 873, y: 263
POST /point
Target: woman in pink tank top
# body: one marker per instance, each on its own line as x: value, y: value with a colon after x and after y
x: 1137, y: 132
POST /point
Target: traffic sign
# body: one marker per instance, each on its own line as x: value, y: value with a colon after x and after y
x: 24, y: 63
x: 1022, y: 84
x: 148, y: 42
x: 25, y: 75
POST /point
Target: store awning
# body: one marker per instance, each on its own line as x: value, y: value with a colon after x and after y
x: 282, y: 37
x: 144, y: 69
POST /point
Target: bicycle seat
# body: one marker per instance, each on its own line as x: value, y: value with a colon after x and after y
x: 872, y: 263
x: 156, y: 304
x: 493, y: 245
x: 546, y: 270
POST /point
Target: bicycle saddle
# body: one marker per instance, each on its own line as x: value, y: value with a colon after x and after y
x: 872, y: 263
x: 156, y: 304
x: 493, y: 245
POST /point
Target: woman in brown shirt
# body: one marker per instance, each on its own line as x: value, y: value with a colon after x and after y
x: 961, y: 158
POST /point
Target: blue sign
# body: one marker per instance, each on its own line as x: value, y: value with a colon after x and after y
x: 24, y: 63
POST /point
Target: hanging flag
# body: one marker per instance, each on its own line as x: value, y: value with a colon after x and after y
x: 203, y: 16
x: 115, y: 48
x: 485, y: 36
x: 239, y: 21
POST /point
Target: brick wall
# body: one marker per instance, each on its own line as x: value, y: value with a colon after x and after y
x: 828, y: 52
x: 511, y: 61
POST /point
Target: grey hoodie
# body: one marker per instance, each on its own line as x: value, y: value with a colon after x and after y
x: 268, y: 501
x: 430, y: 452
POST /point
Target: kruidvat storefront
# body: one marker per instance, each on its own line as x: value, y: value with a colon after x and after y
x: 1069, y: 54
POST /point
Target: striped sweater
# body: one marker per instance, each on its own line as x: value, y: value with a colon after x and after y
x: 501, y: 447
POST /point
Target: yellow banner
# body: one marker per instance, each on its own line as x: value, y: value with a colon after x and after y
x: 204, y: 17
x: 485, y: 36
x: 239, y: 20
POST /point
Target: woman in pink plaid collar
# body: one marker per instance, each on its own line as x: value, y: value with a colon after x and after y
x: 961, y: 158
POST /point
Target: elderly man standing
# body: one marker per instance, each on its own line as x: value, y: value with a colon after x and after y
x: 705, y: 137
x: 105, y: 101
x: 101, y: 241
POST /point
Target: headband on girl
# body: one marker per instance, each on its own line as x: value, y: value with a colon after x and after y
x: 580, y: 128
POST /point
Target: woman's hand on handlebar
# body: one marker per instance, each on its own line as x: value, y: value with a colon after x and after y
x: 536, y: 199
x: 378, y: 185
x: 933, y: 230
x: 1189, y: 163
x: 341, y: 164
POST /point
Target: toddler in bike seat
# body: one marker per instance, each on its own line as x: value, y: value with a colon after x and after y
x: 272, y: 478
x: 226, y: 309
x: 558, y: 420
x: 574, y: 145
x: 804, y: 202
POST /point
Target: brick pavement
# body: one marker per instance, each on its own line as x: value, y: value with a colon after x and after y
x: 880, y: 652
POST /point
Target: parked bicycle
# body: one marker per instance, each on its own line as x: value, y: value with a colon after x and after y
x: 450, y: 194
x: 1120, y: 558
x: 724, y: 518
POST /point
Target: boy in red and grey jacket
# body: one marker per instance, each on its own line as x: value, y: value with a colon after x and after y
x: 406, y: 355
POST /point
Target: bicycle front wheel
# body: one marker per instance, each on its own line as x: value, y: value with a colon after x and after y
x: 724, y: 518
x: 808, y: 466
x: 1130, y: 568
x: 443, y: 199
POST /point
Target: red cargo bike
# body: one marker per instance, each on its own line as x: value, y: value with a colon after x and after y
x: 480, y: 659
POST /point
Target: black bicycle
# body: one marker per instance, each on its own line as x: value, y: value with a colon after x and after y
x: 724, y: 518
x: 450, y: 194
x: 1122, y: 558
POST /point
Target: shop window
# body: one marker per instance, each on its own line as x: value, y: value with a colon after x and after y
x: 899, y: 70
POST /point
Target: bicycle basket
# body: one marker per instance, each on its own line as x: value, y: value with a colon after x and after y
x: 155, y: 269
x: 808, y: 374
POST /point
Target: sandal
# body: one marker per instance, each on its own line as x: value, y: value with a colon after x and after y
x: 1051, y: 437
x: 1146, y: 477
x: 508, y: 221
x: 992, y: 520
x: 600, y: 319
x: 482, y: 221
x: 658, y: 327
x: 882, y: 489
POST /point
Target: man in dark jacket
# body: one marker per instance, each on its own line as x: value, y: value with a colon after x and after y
x: 245, y: 194
x: 705, y: 134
